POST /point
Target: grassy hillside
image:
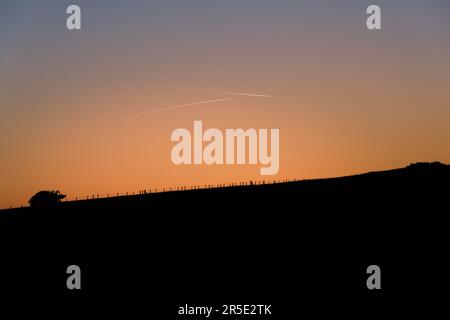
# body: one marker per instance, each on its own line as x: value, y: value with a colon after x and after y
x: 297, y: 239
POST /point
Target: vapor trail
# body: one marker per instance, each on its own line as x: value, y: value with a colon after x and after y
x: 245, y: 94
x: 178, y: 107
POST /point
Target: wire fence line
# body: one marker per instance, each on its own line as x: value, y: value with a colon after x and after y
x: 96, y: 196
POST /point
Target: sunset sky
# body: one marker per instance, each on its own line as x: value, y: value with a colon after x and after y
x: 346, y: 100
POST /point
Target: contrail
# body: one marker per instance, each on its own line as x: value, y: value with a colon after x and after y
x: 178, y: 107
x: 245, y: 94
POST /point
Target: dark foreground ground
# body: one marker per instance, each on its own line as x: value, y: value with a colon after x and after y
x: 294, y: 240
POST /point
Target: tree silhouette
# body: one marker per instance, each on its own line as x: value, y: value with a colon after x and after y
x: 46, y: 198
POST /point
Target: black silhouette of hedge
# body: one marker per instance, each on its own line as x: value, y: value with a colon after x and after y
x: 46, y: 198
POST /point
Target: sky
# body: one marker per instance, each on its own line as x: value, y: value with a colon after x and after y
x: 77, y: 108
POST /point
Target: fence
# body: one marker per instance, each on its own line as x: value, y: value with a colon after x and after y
x: 96, y: 196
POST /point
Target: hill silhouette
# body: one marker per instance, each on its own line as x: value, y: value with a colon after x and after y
x: 417, y: 175
x: 309, y: 238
